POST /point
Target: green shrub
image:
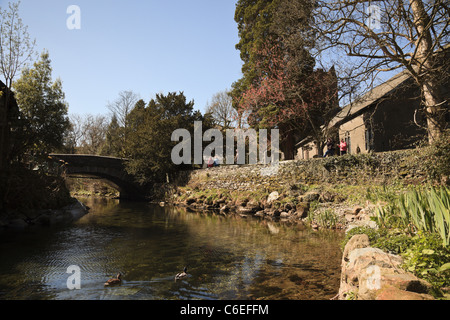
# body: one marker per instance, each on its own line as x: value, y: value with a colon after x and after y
x: 373, y: 234
x: 393, y: 241
x: 428, y: 259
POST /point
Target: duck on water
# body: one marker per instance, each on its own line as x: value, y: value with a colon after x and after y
x: 181, y: 275
x: 118, y: 279
x: 114, y: 281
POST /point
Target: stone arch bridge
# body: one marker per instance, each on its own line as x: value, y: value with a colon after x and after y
x: 109, y: 169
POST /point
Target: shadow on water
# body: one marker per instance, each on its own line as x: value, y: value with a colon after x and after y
x: 227, y: 257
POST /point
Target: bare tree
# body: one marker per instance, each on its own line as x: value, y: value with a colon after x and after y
x: 93, y: 133
x: 392, y: 35
x: 75, y: 133
x: 123, y: 105
x: 121, y: 108
x: 16, y: 49
x: 222, y: 111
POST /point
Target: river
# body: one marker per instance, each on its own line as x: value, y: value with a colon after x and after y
x: 232, y: 258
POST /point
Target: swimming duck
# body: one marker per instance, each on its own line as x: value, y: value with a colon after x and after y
x: 114, y: 281
x: 181, y: 275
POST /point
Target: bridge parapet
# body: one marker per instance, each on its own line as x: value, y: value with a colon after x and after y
x: 110, y: 169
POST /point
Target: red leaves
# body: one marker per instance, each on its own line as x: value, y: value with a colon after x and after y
x: 293, y: 96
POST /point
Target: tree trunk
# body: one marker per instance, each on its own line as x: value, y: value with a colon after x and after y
x: 435, y: 112
x: 320, y: 145
x: 424, y: 70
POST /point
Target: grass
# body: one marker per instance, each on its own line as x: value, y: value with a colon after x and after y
x: 420, y: 209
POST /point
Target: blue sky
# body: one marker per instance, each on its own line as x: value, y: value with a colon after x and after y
x: 148, y: 47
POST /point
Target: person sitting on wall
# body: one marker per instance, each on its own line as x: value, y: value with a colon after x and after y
x: 216, y: 162
x: 330, y: 148
x: 210, y: 162
x: 343, y: 147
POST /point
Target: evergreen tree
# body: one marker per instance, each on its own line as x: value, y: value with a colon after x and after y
x: 149, y: 145
x: 280, y: 88
x: 281, y: 27
x: 42, y: 107
x: 254, y: 19
x: 113, y: 145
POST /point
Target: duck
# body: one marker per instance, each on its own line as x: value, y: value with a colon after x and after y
x: 114, y: 281
x: 181, y: 275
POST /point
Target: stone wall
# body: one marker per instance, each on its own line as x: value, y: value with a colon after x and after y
x: 296, y: 185
x: 379, y: 168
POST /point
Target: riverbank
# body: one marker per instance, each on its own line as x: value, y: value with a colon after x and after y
x: 84, y: 187
x: 47, y: 217
x: 334, y: 193
x: 34, y: 197
x: 341, y: 193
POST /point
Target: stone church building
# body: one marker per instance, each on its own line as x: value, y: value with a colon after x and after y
x: 384, y: 119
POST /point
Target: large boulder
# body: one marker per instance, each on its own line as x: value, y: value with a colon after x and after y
x: 356, y: 242
x: 371, y: 274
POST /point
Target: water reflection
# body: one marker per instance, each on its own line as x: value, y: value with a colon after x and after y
x: 227, y: 257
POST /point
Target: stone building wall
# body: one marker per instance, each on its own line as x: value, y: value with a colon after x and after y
x: 355, y: 130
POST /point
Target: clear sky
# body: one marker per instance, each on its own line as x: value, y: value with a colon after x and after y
x: 147, y: 46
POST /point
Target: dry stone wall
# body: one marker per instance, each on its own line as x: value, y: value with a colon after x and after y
x: 379, y: 168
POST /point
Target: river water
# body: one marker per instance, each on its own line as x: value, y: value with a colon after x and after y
x: 231, y: 258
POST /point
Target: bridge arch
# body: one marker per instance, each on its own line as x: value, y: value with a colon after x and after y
x: 110, y: 169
